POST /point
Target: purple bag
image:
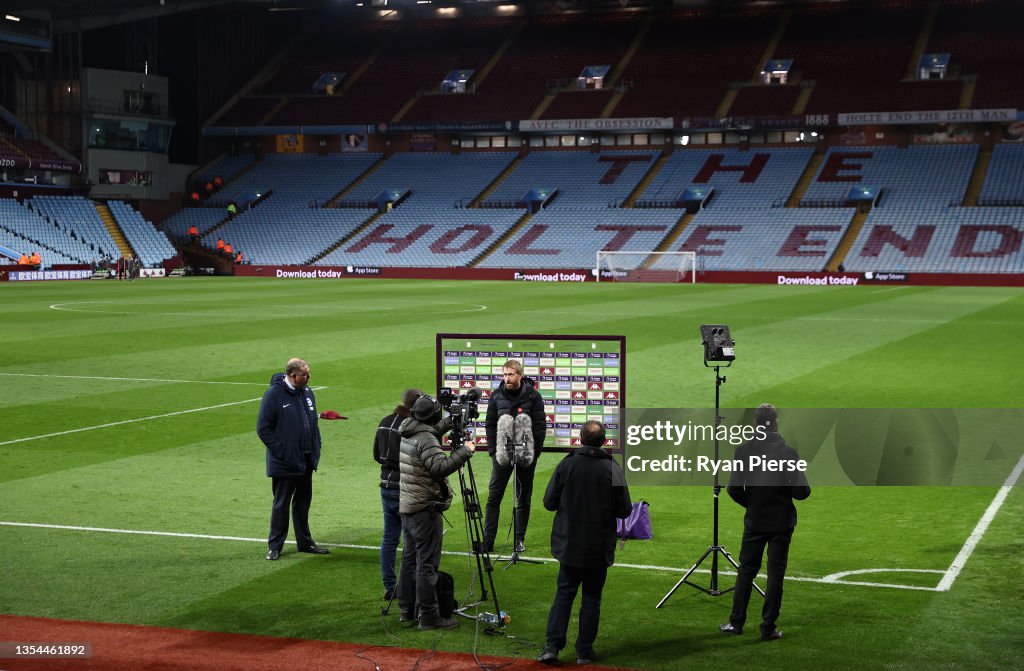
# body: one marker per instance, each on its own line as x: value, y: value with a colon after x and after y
x: 637, y: 525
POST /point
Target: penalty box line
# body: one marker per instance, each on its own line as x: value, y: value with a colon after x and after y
x: 828, y: 580
x: 137, y: 419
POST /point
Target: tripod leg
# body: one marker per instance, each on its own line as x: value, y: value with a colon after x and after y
x: 737, y: 567
x: 687, y: 575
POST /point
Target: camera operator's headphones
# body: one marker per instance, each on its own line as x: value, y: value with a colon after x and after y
x: 427, y: 409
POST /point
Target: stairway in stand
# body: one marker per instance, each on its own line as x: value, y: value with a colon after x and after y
x: 115, y: 230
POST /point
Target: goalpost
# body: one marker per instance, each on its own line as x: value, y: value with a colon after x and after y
x: 646, y: 267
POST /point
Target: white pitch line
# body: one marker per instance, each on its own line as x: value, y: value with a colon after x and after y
x: 137, y: 419
x: 828, y: 580
x: 172, y: 534
x: 972, y: 541
x: 128, y: 379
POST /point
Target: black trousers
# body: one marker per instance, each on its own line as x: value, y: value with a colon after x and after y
x: 751, y: 553
x: 500, y: 476
x: 294, y: 493
x: 570, y: 579
x: 421, y: 556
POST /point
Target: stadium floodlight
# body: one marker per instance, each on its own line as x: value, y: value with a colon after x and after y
x: 718, y: 344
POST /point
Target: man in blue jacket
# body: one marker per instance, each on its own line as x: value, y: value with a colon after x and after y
x: 287, y: 425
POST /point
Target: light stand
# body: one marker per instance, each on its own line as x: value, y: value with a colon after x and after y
x: 719, y: 348
x: 516, y: 493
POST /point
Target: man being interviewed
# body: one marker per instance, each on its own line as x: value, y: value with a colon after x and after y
x: 424, y: 495
x: 588, y: 493
x: 516, y: 395
x: 287, y: 425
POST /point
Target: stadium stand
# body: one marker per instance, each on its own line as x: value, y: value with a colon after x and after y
x: 569, y: 237
x: 150, y: 245
x: 249, y: 111
x: 578, y: 104
x: 1004, y: 183
x: 932, y: 174
x: 688, y: 59
x: 759, y: 239
x: 77, y: 215
x: 760, y: 177
x: 331, y: 48
x: 582, y: 178
x: 297, y: 180
x: 983, y: 40
x: 204, y: 218
x: 548, y: 49
x: 857, y: 58
x: 950, y: 240
x: 286, y: 236
x: 416, y: 62
x: 425, y: 237
x: 763, y: 100
x: 23, y: 230
x: 226, y: 167
x: 434, y: 179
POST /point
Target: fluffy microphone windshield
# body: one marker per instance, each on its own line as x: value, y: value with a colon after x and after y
x: 514, y: 438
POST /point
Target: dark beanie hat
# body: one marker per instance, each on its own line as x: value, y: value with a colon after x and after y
x: 409, y: 396
x: 426, y: 409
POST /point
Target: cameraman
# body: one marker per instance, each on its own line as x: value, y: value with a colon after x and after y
x: 516, y: 395
x: 386, y: 451
x: 425, y: 494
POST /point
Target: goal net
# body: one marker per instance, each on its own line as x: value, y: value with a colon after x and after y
x: 646, y: 267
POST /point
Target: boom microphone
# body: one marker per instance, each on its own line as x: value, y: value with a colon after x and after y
x: 524, y: 444
x: 514, y: 438
x: 473, y: 394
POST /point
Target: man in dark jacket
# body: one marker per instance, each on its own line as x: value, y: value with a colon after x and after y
x: 516, y: 395
x: 587, y: 492
x: 287, y: 425
x: 425, y: 494
x: 770, y: 519
x: 386, y: 452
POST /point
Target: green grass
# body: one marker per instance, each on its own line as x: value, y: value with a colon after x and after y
x: 203, y: 472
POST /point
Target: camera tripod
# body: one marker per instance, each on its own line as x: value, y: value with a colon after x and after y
x: 715, y: 548
x: 517, y: 491
x: 475, y: 528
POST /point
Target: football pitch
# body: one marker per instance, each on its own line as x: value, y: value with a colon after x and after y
x: 133, y: 490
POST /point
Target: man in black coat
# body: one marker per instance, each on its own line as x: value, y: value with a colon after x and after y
x: 516, y: 395
x: 387, y: 449
x: 287, y: 425
x: 769, y: 521
x: 587, y: 492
